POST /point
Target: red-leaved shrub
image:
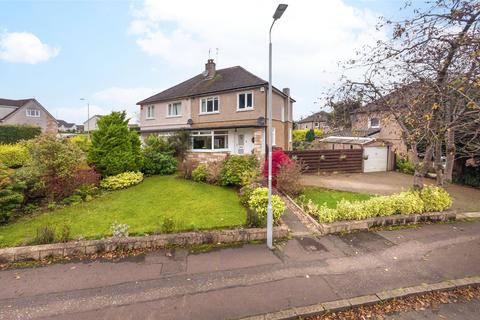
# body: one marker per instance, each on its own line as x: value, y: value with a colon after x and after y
x: 59, y: 187
x: 278, y: 157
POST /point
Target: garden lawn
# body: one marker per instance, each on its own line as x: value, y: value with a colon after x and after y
x: 143, y: 207
x: 319, y: 196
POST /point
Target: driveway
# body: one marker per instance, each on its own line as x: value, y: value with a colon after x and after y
x: 385, y: 183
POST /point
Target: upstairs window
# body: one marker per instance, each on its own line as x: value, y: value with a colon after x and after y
x: 374, y: 123
x: 245, y: 101
x: 209, y: 105
x: 150, y: 112
x: 35, y: 113
x: 174, y: 109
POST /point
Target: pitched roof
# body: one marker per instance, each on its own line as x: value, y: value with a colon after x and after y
x: 355, y: 133
x: 65, y: 123
x: 13, y: 103
x: 316, y: 117
x: 224, y: 79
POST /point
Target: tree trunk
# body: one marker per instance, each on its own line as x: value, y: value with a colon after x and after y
x: 451, y: 150
x: 438, y: 163
x: 421, y: 167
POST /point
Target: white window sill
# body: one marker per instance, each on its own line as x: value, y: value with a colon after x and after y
x: 378, y: 127
x: 149, y: 118
x: 210, y: 150
x: 207, y: 113
x: 245, y: 109
x: 178, y: 116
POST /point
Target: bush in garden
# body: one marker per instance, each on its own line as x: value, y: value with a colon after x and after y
x: 435, y: 198
x: 234, y: 167
x: 44, y: 235
x: 199, y: 174
x: 13, y: 155
x: 214, y: 170
x: 322, y: 213
x: 278, y: 158
x: 408, y: 202
x: 180, y: 142
x: 299, y: 135
x: 160, y: 144
x: 15, y: 133
x: 186, y: 168
x: 155, y: 162
x: 52, y: 166
x: 246, y: 192
x: 310, y: 136
x: 82, y: 141
x: 11, y: 196
x: 288, y: 178
x: 404, y: 165
x: 259, y: 202
x: 115, y: 149
x: 122, y: 180
x: 119, y: 230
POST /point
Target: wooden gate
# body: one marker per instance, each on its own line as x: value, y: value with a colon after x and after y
x: 315, y: 161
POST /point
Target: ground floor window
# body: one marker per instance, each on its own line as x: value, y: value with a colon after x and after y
x: 209, y: 140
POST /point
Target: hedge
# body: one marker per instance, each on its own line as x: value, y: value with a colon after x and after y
x: 13, y: 133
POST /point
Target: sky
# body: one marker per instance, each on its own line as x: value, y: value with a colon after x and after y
x: 116, y: 53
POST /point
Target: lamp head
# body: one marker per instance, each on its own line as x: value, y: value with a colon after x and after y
x: 280, y: 10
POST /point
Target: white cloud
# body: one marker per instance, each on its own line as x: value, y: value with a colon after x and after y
x: 308, y: 40
x: 24, y: 47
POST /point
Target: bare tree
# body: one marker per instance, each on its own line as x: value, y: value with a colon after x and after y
x: 427, y: 76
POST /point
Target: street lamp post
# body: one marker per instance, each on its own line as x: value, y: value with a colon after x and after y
x: 278, y: 13
x: 88, y: 114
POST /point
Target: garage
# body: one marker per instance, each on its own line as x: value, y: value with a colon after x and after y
x: 375, y: 159
x: 377, y: 155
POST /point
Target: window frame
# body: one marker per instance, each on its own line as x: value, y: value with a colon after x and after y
x: 212, y: 134
x: 274, y: 136
x: 149, y: 116
x: 252, y: 107
x: 290, y: 135
x: 174, y: 115
x: 370, y: 122
x: 206, y: 106
x: 36, y: 115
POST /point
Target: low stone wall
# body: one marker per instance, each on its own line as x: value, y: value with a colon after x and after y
x: 86, y: 247
x: 394, y: 220
x: 205, y: 157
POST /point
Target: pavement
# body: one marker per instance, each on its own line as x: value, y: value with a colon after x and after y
x: 465, y: 198
x: 238, y: 282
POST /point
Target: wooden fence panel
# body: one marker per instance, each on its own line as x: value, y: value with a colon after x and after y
x: 347, y: 160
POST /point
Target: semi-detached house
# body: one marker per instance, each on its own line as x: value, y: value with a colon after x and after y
x: 224, y: 110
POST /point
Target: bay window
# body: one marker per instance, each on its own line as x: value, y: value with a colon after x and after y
x: 209, y: 105
x: 209, y: 140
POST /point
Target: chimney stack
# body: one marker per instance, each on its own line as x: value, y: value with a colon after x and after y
x: 286, y: 91
x: 210, y: 69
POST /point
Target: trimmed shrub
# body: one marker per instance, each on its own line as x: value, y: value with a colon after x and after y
x: 288, y: 178
x: 234, y: 167
x: 310, y: 136
x: 115, y: 149
x: 199, y: 174
x: 155, y: 162
x: 430, y: 199
x: 246, y: 192
x: 13, y: 155
x: 259, y: 202
x: 15, y: 133
x: 122, y: 180
x: 435, y: 198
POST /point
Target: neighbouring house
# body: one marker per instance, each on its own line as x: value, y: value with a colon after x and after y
x: 224, y: 110
x: 91, y: 124
x: 29, y: 112
x: 318, y: 120
x: 375, y: 121
x: 64, y: 126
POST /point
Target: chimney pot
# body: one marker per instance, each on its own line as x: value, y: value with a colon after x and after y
x: 286, y: 91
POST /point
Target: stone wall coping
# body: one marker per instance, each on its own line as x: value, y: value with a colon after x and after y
x: 37, y: 252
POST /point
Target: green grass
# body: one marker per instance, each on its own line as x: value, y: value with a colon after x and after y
x: 319, y: 196
x: 143, y: 207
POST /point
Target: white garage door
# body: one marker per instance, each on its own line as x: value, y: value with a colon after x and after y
x: 376, y: 159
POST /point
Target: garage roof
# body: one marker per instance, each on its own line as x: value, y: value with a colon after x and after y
x: 347, y: 140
